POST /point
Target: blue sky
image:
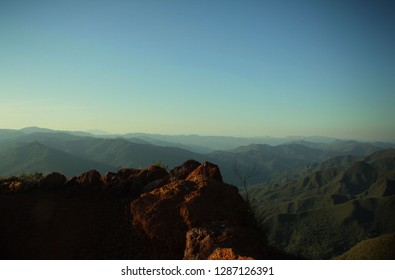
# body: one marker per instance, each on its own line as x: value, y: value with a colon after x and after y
x: 242, y: 68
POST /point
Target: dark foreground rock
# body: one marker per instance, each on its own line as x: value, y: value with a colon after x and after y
x: 186, y: 213
x: 52, y: 181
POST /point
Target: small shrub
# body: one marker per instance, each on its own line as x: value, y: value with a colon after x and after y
x: 31, y: 177
x: 161, y: 165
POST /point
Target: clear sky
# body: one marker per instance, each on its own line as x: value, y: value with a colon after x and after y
x: 242, y: 68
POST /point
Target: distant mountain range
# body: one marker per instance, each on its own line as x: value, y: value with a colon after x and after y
x: 72, y: 152
x: 318, y: 199
x: 35, y: 157
x: 329, y: 209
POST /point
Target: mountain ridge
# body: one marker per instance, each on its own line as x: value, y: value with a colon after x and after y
x: 272, y: 161
x: 35, y: 157
x: 354, y: 201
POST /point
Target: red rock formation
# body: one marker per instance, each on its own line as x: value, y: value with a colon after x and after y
x: 125, y: 173
x: 109, y: 179
x: 182, y: 171
x: 188, y: 213
x: 177, y: 173
x: 130, y: 183
x: 213, y: 201
x: 206, y: 171
x: 151, y: 174
x: 156, y: 215
x: 90, y: 179
x: 226, y: 254
x: 244, y: 242
x: 167, y: 215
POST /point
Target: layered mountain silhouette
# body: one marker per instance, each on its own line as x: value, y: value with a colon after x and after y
x: 79, y: 151
x: 311, y: 200
x: 35, y: 157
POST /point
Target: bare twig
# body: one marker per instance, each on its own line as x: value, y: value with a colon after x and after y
x: 251, y: 172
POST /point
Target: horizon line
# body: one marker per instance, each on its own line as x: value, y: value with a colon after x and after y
x: 106, y: 133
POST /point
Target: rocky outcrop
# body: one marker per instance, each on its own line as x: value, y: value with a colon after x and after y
x: 16, y: 186
x: 151, y: 174
x: 156, y: 215
x: 192, y: 217
x: 206, y: 171
x: 109, y: 178
x: 5, y: 185
x: 181, y: 172
x: 89, y: 179
x: 125, y: 173
x: 130, y: 183
x: 52, y: 181
x: 186, y: 213
x: 127, y: 183
x: 226, y: 254
x: 210, y: 242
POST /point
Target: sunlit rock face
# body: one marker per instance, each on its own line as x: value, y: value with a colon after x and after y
x: 194, y: 215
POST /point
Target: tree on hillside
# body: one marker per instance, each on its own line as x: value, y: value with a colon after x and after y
x: 250, y: 172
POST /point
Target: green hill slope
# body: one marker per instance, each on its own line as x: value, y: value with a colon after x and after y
x: 324, y: 213
x: 272, y: 162
x: 35, y: 157
x: 379, y: 248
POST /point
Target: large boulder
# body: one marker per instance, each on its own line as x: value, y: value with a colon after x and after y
x: 52, y: 181
x: 165, y: 215
x: 213, y: 201
x: 109, y: 179
x: 223, y: 241
x: 182, y: 171
x: 125, y: 173
x: 206, y: 171
x: 130, y: 183
x: 151, y: 174
x: 90, y: 179
x: 156, y: 215
x: 176, y: 174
